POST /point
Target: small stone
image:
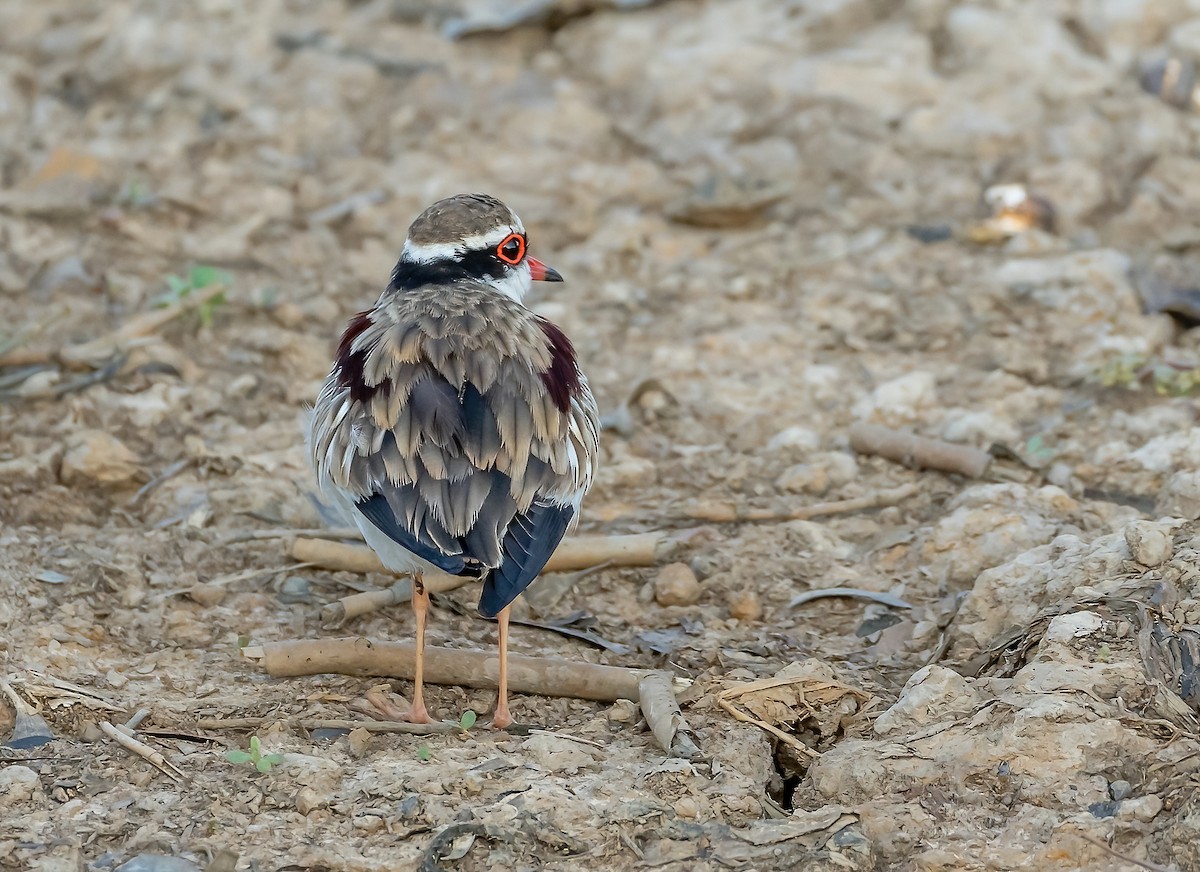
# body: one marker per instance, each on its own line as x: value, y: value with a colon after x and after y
x: 99, y: 458
x: 803, y: 477
x: 1143, y: 808
x: 307, y: 800
x: 744, y: 605
x: 556, y: 754
x: 800, y: 438
x: 1119, y: 790
x: 624, y: 711
x: 357, y: 741
x: 288, y: 315
x: 1148, y: 543
x: 687, y: 807
x: 115, y: 679
x: 1180, y: 498
x: 676, y: 585
x: 207, y: 595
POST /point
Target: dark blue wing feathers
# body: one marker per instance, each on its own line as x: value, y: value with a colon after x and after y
x: 530, y: 540
x: 379, y: 513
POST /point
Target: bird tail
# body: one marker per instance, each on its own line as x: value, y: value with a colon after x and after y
x: 530, y: 540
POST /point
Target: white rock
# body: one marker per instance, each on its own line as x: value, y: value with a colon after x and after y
x: 978, y: 427
x: 800, y: 438
x: 1149, y: 542
x: 932, y: 694
x: 1075, y: 625
x: 17, y: 784
x: 991, y: 524
x: 1141, y: 808
x: 1011, y: 594
x: 899, y: 399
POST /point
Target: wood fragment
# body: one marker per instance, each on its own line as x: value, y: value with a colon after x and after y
x: 365, y: 657
x: 919, y: 452
x: 656, y: 698
x: 357, y: 604
x: 97, y: 350
x: 141, y: 749
x: 727, y: 513
x: 328, y: 724
x: 289, y: 533
x: 581, y: 552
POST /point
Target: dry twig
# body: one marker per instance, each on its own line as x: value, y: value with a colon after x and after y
x: 328, y: 724
x: 581, y: 552
x: 129, y: 743
x: 919, y: 452
x: 810, y: 693
x: 1142, y: 864
x: 94, y: 353
x: 727, y: 513
x: 288, y: 533
x: 361, y: 656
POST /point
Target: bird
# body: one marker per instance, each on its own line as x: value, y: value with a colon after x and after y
x: 456, y: 428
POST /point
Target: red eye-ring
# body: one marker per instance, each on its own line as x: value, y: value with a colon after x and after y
x: 512, y: 249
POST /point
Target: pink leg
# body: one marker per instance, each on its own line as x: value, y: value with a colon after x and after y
x: 420, y: 604
x: 502, y: 719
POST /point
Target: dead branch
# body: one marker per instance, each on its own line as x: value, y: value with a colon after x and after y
x: 365, y: 657
x: 582, y: 552
x: 142, y: 750
x: 328, y: 724
x: 727, y: 513
x: 919, y: 452
x: 659, y: 707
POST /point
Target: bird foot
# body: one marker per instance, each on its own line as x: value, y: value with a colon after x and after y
x: 502, y: 720
x: 414, y: 714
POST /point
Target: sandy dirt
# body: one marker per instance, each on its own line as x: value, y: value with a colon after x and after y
x: 773, y: 224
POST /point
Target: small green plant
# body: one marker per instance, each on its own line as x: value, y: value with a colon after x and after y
x: 136, y: 193
x: 467, y: 720
x: 197, y: 278
x: 1167, y: 378
x: 423, y: 753
x: 262, y: 762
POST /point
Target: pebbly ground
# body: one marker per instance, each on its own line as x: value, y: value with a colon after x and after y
x: 769, y: 217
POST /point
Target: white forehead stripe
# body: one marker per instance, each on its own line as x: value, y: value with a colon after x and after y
x: 427, y: 252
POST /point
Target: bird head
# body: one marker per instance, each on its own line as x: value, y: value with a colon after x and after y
x: 470, y: 237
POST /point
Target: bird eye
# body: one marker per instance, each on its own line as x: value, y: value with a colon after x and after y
x: 512, y: 249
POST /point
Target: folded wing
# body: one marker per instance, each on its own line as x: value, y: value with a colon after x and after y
x: 438, y: 425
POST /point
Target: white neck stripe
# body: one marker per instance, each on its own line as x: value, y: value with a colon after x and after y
x: 427, y: 252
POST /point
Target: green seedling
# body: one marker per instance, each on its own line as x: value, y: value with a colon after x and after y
x: 467, y: 720
x: 423, y: 753
x: 262, y: 762
x: 197, y: 278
